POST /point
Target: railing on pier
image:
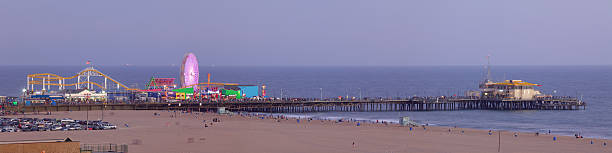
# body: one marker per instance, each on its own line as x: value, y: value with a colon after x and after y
x: 297, y: 106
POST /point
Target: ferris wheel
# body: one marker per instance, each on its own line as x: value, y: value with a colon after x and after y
x: 190, y: 72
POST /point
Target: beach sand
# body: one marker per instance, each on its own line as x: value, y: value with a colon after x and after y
x: 185, y: 133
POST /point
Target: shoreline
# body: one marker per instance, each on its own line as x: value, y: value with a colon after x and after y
x: 247, y: 132
x: 396, y: 121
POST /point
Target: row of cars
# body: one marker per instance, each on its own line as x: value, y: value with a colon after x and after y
x: 50, y: 124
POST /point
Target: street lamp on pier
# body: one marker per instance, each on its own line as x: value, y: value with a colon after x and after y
x: 347, y: 93
x: 23, y: 91
x: 281, y: 94
x: 360, y: 96
x: 321, y: 99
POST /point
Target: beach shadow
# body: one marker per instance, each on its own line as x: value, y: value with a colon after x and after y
x: 136, y: 142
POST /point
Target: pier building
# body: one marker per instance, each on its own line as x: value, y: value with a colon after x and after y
x: 509, y: 89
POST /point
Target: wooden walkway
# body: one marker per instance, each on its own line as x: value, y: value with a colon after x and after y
x: 414, y: 104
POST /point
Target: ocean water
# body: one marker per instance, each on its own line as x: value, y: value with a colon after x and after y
x: 593, y: 83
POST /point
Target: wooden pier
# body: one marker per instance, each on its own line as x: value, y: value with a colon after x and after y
x: 408, y: 105
x: 413, y: 104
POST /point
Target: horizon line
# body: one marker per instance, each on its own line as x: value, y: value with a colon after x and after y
x: 213, y: 65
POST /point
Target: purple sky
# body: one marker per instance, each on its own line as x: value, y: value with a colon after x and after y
x: 307, y: 32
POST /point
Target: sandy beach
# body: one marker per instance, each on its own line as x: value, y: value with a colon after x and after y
x: 175, y: 132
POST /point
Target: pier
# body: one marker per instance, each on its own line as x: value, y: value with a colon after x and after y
x: 287, y: 106
x: 90, y: 89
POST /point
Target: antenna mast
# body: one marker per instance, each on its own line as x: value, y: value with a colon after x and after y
x: 488, y: 68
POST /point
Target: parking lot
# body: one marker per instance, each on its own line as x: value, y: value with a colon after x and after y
x: 51, y: 124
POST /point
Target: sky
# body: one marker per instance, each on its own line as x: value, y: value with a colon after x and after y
x: 306, y: 32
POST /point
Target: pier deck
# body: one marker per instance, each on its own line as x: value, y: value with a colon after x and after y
x: 413, y: 104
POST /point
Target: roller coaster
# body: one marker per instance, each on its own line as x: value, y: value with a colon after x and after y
x: 83, y: 81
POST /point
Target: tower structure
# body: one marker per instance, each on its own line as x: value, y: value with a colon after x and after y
x: 488, y: 79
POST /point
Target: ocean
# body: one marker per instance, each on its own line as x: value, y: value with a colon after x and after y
x: 592, y: 83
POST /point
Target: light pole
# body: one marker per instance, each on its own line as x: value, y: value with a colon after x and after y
x: 321, y: 99
x: 23, y: 92
x: 281, y: 94
x: 287, y: 96
x: 360, y: 96
x: 103, y: 107
x: 347, y: 90
x: 87, y: 119
x: 23, y: 99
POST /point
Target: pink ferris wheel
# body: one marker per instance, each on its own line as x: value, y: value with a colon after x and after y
x: 190, y: 73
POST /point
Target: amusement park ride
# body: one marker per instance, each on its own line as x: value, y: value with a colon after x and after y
x: 190, y: 74
x: 93, y: 80
x: 84, y: 80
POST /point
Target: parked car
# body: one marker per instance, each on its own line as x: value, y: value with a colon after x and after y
x: 67, y: 120
x: 50, y: 124
x: 9, y: 129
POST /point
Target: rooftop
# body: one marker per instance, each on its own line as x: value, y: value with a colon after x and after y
x: 513, y: 83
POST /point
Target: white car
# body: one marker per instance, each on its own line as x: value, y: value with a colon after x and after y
x: 9, y: 129
x: 56, y: 128
x: 67, y: 120
x: 109, y: 126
